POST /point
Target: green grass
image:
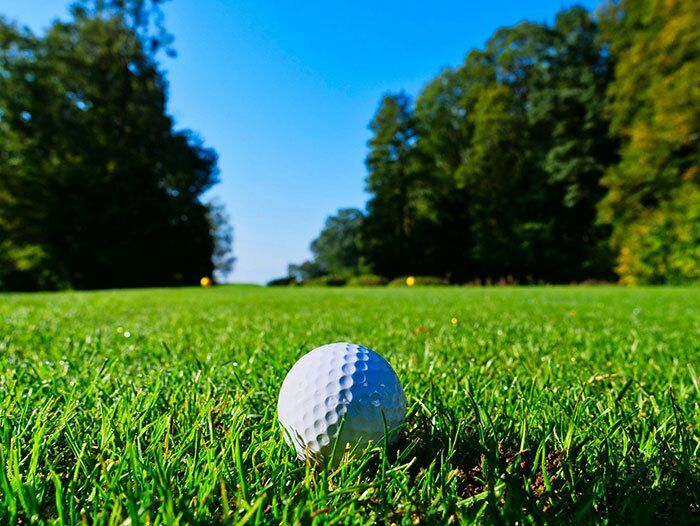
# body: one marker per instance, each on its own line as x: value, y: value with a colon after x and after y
x: 540, y: 405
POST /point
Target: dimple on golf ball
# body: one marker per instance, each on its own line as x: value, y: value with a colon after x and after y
x: 339, y: 383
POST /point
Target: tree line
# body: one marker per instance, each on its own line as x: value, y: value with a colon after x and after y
x: 558, y: 153
x: 97, y: 186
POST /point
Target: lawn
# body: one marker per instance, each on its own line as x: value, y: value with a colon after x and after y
x: 536, y: 405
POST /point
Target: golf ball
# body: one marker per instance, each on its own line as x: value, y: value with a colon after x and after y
x: 339, y: 385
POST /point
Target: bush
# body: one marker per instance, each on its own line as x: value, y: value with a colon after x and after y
x: 326, y: 281
x: 368, y: 280
x: 418, y: 281
x: 282, y: 282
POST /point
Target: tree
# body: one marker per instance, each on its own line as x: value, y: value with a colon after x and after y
x: 97, y: 188
x: 392, y: 227
x: 144, y: 18
x: 567, y: 111
x: 527, y: 158
x: 497, y: 169
x: 337, y: 248
x: 221, y: 232
x: 558, y: 76
x: 655, y: 108
x: 494, y: 171
x: 305, y: 271
x: 443, y: 137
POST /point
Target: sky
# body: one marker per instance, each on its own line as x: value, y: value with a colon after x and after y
x: 284, y: 92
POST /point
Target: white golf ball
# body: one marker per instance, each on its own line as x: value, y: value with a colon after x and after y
x: 335, y: 381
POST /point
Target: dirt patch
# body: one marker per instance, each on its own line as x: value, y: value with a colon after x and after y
x: 471, y: 480
x: 551, y: 465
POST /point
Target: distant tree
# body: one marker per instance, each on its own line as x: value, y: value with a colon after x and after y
x: 305, y: 271
x: 653, y: 191
x: 542, y: 146
x: 281, y: 282
x: 566, y: 112
x: 397, y: 187
x: 443, y: 135
x: 337, y: 248
x: 97, y: 188
x: 221, y: 232
x: 496, y: 170
x: 557, y: 76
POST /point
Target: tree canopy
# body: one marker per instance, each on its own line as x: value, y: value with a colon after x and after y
x: 653, y: 197
x: 495, y: 172
x: 97, y: 187
x: 337, y: 249
x: 559, y: 152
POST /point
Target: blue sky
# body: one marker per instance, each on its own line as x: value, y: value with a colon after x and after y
x: 284, y: 92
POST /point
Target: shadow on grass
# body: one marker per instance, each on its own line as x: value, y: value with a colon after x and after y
x: 497, y: 483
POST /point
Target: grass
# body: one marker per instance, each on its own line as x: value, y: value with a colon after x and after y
x: 539, y: 405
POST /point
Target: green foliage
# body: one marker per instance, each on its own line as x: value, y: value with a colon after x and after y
x: 525, y: 162
x: 664, y: 246
x: 495, y: 176
x: 525, y: 405
x: 655, y: 108
x: 367, y: 280
x: 282, y: 282
x: 144, y: 18
x: 305, y: 271
x: 97, y: 188
x: 417, y: 281
x: 28, y: 267
x: 392, y: 228
x: 496, y: 170
x: 329, y: 280
x: 337, y: 248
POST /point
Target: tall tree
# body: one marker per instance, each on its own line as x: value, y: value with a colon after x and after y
x: 567, y: 109
x: 393, y: 183
x: 559, y: 75
x: 512, y: 146
x: 444, y: 135
x: 494, y: 172
x: 97, y: 188
x: 655, y: 106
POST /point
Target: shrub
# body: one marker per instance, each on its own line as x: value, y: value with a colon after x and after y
x: 368, y: 280
x: 326, y: 281
x: 418, y: 281
x: 281, y: 282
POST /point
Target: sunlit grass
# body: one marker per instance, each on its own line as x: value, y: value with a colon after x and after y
x: 533, y: 405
